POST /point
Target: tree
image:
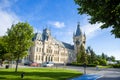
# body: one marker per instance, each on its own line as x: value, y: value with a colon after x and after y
x: 19, y: 40
x: 104, y: 11
x: 111, y: 58
x: 102, y: 62
x: 82, y: 56
x: 3, y: 49
x: 91, y: 55
x: 103, y: 56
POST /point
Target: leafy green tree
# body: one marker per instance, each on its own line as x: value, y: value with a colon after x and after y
x: 19, y: 40
x: 91, y: 55
x: 3, y: 50
x: 111, y: 58
x: 102, y: 62
x: 104, y: 11
x: 96, y: 62
x: 104, y: 56
x: 82, y: 56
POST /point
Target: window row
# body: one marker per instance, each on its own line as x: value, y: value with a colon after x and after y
x: 49, y: 50
x: 37, y: 57
x: 39, y: 49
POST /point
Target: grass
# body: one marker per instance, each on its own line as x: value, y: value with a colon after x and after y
x: 38, y: 74
x: 104, y: 66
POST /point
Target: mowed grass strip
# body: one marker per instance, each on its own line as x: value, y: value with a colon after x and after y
x: 38, y: 74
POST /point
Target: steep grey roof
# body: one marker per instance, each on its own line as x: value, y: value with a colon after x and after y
x: 58, y: 42
x: 78, y: 31
x: 63, y: 44
x: 37, y: 36
x: 69, y: 46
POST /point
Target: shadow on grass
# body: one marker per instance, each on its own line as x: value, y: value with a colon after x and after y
x: 2, y: 78
x: 38, y: 75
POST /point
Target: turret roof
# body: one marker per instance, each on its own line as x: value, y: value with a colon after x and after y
x: 78, y: 31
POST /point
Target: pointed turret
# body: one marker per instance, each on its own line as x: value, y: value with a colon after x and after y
x: 78, y: 31
x: 46, y: 34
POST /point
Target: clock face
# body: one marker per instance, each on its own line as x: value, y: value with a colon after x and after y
x: 77, y: 42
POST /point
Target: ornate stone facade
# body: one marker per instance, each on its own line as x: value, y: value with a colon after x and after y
x: 47, y: 48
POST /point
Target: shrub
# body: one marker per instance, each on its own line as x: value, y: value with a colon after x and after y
x: 91, y: 65
x: 102, y: 62
x: 96, y: 62
x: 81, y: 64
x: 116, y: 65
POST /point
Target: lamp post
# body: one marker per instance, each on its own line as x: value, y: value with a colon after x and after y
x: 84, y: 65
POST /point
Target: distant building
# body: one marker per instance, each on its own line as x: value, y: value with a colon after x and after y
x: 47, y: 48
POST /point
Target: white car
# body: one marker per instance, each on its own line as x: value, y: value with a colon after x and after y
x: 48, y: 64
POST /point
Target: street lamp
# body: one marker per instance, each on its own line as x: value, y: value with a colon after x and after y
x: 84, y: 65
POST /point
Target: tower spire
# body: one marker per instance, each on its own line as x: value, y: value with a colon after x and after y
x: 79, y: 23
x: 78, y: 31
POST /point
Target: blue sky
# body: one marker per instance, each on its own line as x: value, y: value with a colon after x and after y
x: 61, y: 17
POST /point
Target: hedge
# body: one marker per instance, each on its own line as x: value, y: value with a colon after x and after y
x: 116, y: 65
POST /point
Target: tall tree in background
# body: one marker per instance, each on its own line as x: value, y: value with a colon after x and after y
x: 19, y: 40
x: 88, y: 54
x: 91, y: 55
x: 111, y: 58
x: 82, y: 56
x: 104, y: 11
x: 104, y: 56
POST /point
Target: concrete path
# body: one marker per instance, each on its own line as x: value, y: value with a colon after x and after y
x: 110, y: 74
x: 87, y: 77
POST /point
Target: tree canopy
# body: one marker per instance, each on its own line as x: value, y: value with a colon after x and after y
x: 81, y: 55
x: 19, y: 40
x: 3, y: 49
x: 102, y: 11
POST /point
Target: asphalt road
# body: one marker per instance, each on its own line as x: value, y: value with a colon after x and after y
x: 106, y: 74
x: 110, y: 74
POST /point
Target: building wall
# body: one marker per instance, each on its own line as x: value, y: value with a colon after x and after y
x: 48, y: 51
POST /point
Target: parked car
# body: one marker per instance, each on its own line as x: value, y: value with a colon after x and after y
x: 48, y: 64
x: 27, y: 63
x: 34, y: 64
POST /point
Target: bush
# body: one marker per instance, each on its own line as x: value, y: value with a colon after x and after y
x: 96, y: 62
x: 75, y: 64
x: 116, y: 65
x: 81, y: 64
x: 91, y: 65
x: 102, y: 62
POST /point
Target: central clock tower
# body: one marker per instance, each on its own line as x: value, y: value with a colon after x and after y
x: 79, y: 39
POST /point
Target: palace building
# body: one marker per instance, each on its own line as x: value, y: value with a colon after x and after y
x: 47, y: 48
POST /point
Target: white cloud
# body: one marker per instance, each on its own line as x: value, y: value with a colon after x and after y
x: 7, y: 18
x: 91, y: 30
x: 57, y: 24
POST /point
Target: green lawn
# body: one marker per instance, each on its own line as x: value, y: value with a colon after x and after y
x: 104, y: 66
x: 38, y: 74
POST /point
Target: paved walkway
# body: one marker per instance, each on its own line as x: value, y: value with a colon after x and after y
x: 87, y: 77
x: 103, y: 74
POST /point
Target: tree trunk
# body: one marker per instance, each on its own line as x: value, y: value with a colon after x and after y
x: 1, y: 62
x: 17, y: 64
